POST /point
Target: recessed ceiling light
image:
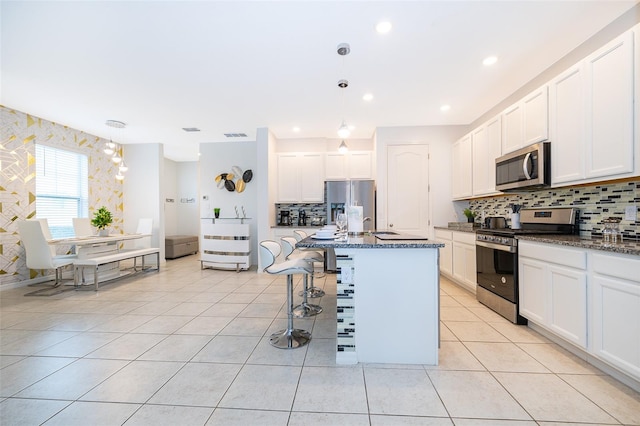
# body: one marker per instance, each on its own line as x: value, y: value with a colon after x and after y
x: 445, y: 108
x: 383, y: 27
x: 368, y: 97
x: 489, y: 60
x: 296, y: 129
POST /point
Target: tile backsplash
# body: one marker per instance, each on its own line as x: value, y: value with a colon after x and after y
x: 594, y: 203
x: 312, y: 210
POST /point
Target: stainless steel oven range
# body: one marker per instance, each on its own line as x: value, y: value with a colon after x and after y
x: 497, y: 257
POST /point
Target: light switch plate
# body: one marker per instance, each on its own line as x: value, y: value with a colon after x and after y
x: 630, y: 213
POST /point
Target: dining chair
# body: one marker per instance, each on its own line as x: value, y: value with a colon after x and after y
x: 39, y: 252
x: 82, y: 226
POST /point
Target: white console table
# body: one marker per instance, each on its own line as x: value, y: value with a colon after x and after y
x: 225, y: 245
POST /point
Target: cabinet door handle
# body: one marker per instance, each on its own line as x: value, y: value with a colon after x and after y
x: 391, y: 225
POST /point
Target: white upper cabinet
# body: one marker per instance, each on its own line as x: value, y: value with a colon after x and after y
x: 300, y: 178
x: 288, y: 188
x: 487, y: 144
x: 567, y: 116
x: 526, y: 122
x: 592, y: 116
x: 536, y: 116
x: 360, y: 165
x: 462, y: 170
x: 610, y: 109
x: 311, y: 178
x: 351, y: 165
x: 336, y: 165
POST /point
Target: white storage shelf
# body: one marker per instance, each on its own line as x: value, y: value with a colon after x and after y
x: 225, y: 245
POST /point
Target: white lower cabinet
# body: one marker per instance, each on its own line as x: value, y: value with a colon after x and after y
x: 464, y: 259
x: 446, y: 252
x: 553, y: 289
x: 616, y: 311
x: 589, y: 298
x: 531, y: 288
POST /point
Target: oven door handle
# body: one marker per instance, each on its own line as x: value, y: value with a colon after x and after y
x: 510, y: 249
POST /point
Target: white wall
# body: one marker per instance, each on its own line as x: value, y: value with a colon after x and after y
x: 143, y: 195
x: 439, y: 139
x: 216, y: 158
x: 170, y: 200
x: 322, y: 145
x: 187, y: 201
x: 180, y: 184
x: 266, y: 159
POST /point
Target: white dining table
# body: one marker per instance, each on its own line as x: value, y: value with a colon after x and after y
x: 89, y: 246
x: 90, y: 240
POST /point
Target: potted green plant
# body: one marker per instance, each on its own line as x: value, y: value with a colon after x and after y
x: 101, y: 219
x: 216, y: 212
x: 471, y: 216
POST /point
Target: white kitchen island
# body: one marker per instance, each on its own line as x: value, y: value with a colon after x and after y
x: 387, y: 300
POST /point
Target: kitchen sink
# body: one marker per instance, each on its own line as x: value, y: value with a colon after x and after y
x: 383, y: 233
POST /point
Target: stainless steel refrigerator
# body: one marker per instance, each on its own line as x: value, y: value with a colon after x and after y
x: 342, y: 193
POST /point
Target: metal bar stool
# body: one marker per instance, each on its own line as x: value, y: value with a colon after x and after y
x: 304, y: 309
x: 290, y: 337
x: 313, y: 291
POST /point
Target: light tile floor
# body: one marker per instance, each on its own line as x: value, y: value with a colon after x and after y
x: 187, y: 346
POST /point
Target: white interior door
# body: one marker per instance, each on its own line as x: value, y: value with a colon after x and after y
x: 408, y: 189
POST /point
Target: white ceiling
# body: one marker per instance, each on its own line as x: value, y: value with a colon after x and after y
x: 234, y: 66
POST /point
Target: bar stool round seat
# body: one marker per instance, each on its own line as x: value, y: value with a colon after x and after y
x: 288, y: 338
x: 304, y: 309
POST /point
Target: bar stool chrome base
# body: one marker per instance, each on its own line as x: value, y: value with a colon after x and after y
x: 306, y: 310
x: 290, y: 339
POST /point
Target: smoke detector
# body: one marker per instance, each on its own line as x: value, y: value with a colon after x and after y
x: 344, y: 49
x: 115, y: 123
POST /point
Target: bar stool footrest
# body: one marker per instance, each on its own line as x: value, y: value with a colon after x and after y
x: 306, y: 310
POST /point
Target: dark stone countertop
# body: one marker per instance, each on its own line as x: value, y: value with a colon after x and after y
x: 625, y: 247
x: 458, y: 229
x: 367, y: 242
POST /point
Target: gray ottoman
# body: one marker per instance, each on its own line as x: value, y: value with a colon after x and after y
x: 180, y: 245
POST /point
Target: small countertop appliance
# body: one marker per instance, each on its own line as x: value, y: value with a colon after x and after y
x: 285, y: 218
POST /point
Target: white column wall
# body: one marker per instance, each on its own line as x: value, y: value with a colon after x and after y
x: 143, y: 194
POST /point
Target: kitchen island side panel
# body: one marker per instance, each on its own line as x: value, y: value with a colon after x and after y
x: 395, y: 305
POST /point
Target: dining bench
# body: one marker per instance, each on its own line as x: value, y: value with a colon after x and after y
x: 96, y: 262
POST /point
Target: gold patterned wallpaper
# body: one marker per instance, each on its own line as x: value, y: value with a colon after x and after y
x: 19, y: 132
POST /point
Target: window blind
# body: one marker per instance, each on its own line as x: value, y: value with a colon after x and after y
x: 61, y: 188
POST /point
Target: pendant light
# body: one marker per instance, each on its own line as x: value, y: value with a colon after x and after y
x: 343, y: 148
x: 343, y: 130
x: 116, y: 151
x: 116, y: 157
x: 109, y: 147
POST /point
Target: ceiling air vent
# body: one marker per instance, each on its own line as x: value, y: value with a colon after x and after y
x: 190, y: 129
x: 235, y: 135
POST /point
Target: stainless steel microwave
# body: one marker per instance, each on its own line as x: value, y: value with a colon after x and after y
x: 526, y: 169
